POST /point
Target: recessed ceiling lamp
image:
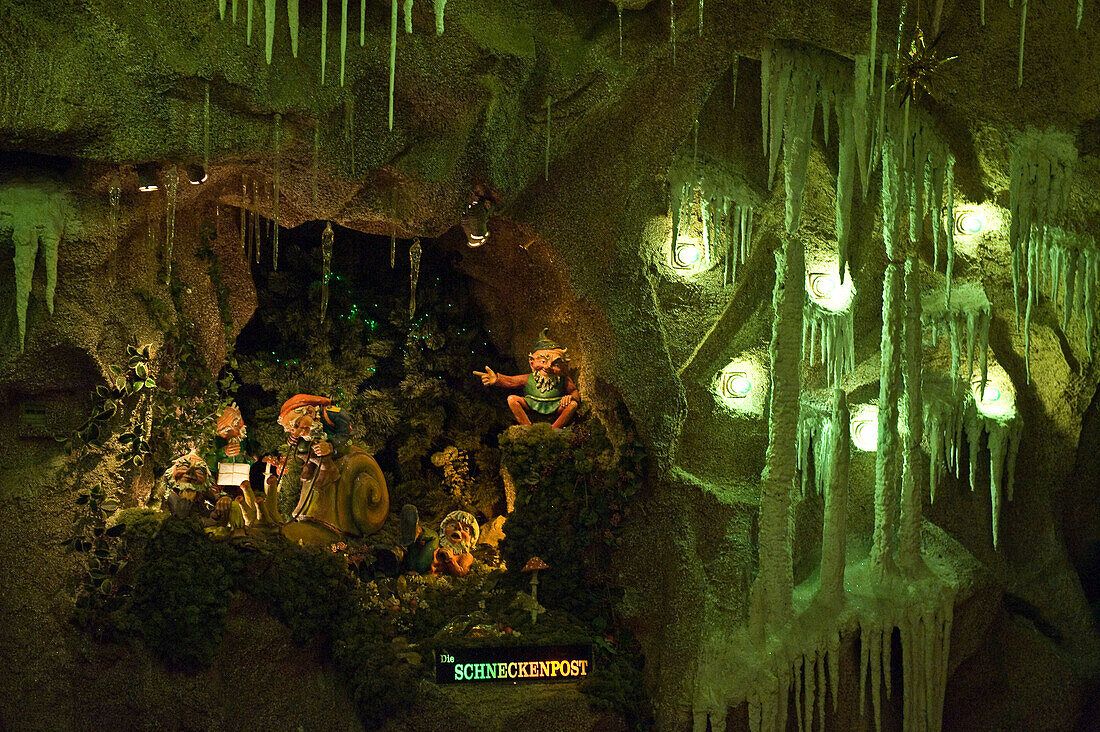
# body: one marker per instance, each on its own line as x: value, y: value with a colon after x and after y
x: 475, y: 222
x: 196, y: 174
x: 147, y: 177
x: 824, y: 288
x: 864, y: 426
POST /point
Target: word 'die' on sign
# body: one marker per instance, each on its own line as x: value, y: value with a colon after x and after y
x: 513, y: 664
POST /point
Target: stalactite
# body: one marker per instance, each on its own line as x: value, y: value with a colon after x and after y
x: 255, y: 226
x: 407, y: 12
x: 393, y: 53
x: 619, y: 8
x: 700, y: 17
x: 269, y: 29
x: 171, y: 189
x: 326, y: 266
x: 814, y: 437
x: 292, y: 23
x: 672, y: 28
x: 244, y: 218
x: 831, y: 334
x: 414, y: 275
x: 343, y: 37
x: 1023, y: 27
x: 546, y: 165
x: 965, y: 318
x: 1040, y: 175
x: 206, y: 128
x: 772, y: 588
x: 275, y: 197
x: 221, y: 9
x: 234, y: 12
x: 393, y: 249
x: 438, y: 7
x: 114, y: 198
x: 362, y: 22
x: 324, y: 38
x: 316, y: 158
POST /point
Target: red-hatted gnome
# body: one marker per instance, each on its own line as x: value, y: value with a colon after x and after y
x: 546, y: 390
x: 317, y: 431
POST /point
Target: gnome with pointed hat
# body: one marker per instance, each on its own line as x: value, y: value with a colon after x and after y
x: 546, y: 390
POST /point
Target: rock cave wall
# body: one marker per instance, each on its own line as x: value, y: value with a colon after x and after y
x: 580, y: 238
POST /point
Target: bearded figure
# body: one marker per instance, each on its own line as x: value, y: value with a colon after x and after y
x: 458, y: 534
x: 186, y: 483
x: 547, y: 390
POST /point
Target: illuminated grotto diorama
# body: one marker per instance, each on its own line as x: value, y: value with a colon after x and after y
x: 526, y: 365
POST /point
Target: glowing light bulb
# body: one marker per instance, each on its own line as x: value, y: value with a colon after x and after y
x: 970, y: 223
x: 989, y: 394
x: 688, y: 254
x: 736, y: 385
x: 864, y: 426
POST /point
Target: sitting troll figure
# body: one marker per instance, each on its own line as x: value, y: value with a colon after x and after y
x: 546, y: 390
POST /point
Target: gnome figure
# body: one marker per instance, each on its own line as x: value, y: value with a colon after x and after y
x: 546, y: 390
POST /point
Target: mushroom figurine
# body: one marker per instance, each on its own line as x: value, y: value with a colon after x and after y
x: 534, y: 564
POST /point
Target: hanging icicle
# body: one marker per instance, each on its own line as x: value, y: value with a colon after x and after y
x: 248, y: 27
x: 343, y: 37
x: 326, y: 266
x: 114, y: 198
x: 316, y: 157
x: 1023, y: 27
x: 965, y: 319
x: 546, y: 164
x: 324, y: 38
x: 275, y: 197
x: 171, y: 188
x: 206, y: 129
x: 1040, y: 177
x: 393, y: 50
x: 292, y: 22
x: 407, y: 12
x: 269, y: 28
x: 393, y: 249
x: 414, y: 275
x: 672, y: 28
x: 362, y: 22
x: 619, y: 8
x: 244, y: 219
x: 438, y: 6
x: 700, y: 18
x: 830, y: 334
x: 221, y: 9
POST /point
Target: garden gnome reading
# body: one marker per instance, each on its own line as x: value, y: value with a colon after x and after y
x: 546, y: 390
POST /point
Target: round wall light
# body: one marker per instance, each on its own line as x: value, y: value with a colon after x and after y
x: 824, y: 288
x: 998, y: 398
x: 864, y: 427
x: 147, y: 177
x: 970, y: 222
x: 689, y: 253
x: 196, y: 174
x: 735, y: 384
x: 744, y: 384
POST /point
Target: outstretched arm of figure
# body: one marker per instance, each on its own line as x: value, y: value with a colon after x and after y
x: 491, y: 378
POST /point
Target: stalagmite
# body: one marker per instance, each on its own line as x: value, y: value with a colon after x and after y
x: 407, y: 12
x: 887, y: 471
x: 326, y: 266
x: 414, y: 275
x: 275, y: 197
x: 269, y: 28
x: 438, y: 6
x: 171, y: 188
x: 393, y: 53
x: 771, y: 602
x: 835, y: 524
x: 292, y: 22
x: 343, y: 37
x: 324, y: 38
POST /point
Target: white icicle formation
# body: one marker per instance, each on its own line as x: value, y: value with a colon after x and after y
x: 38, y: 219
x: 727, y: 210
x: 1070, y: 266
x: 1041, y: 173
x: 811, y: 675
x: 924, y: 168
x: 795, y: 81
x: 924, y: 625
x: 269, y: 28
x: 407, y: 10
x: 964, y: 318
x: 950, y: 413
x: 830, y: 335
x: 343, y: 37
x: 393, y: 52
x: 324, y: 38
x: 292, y: 21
